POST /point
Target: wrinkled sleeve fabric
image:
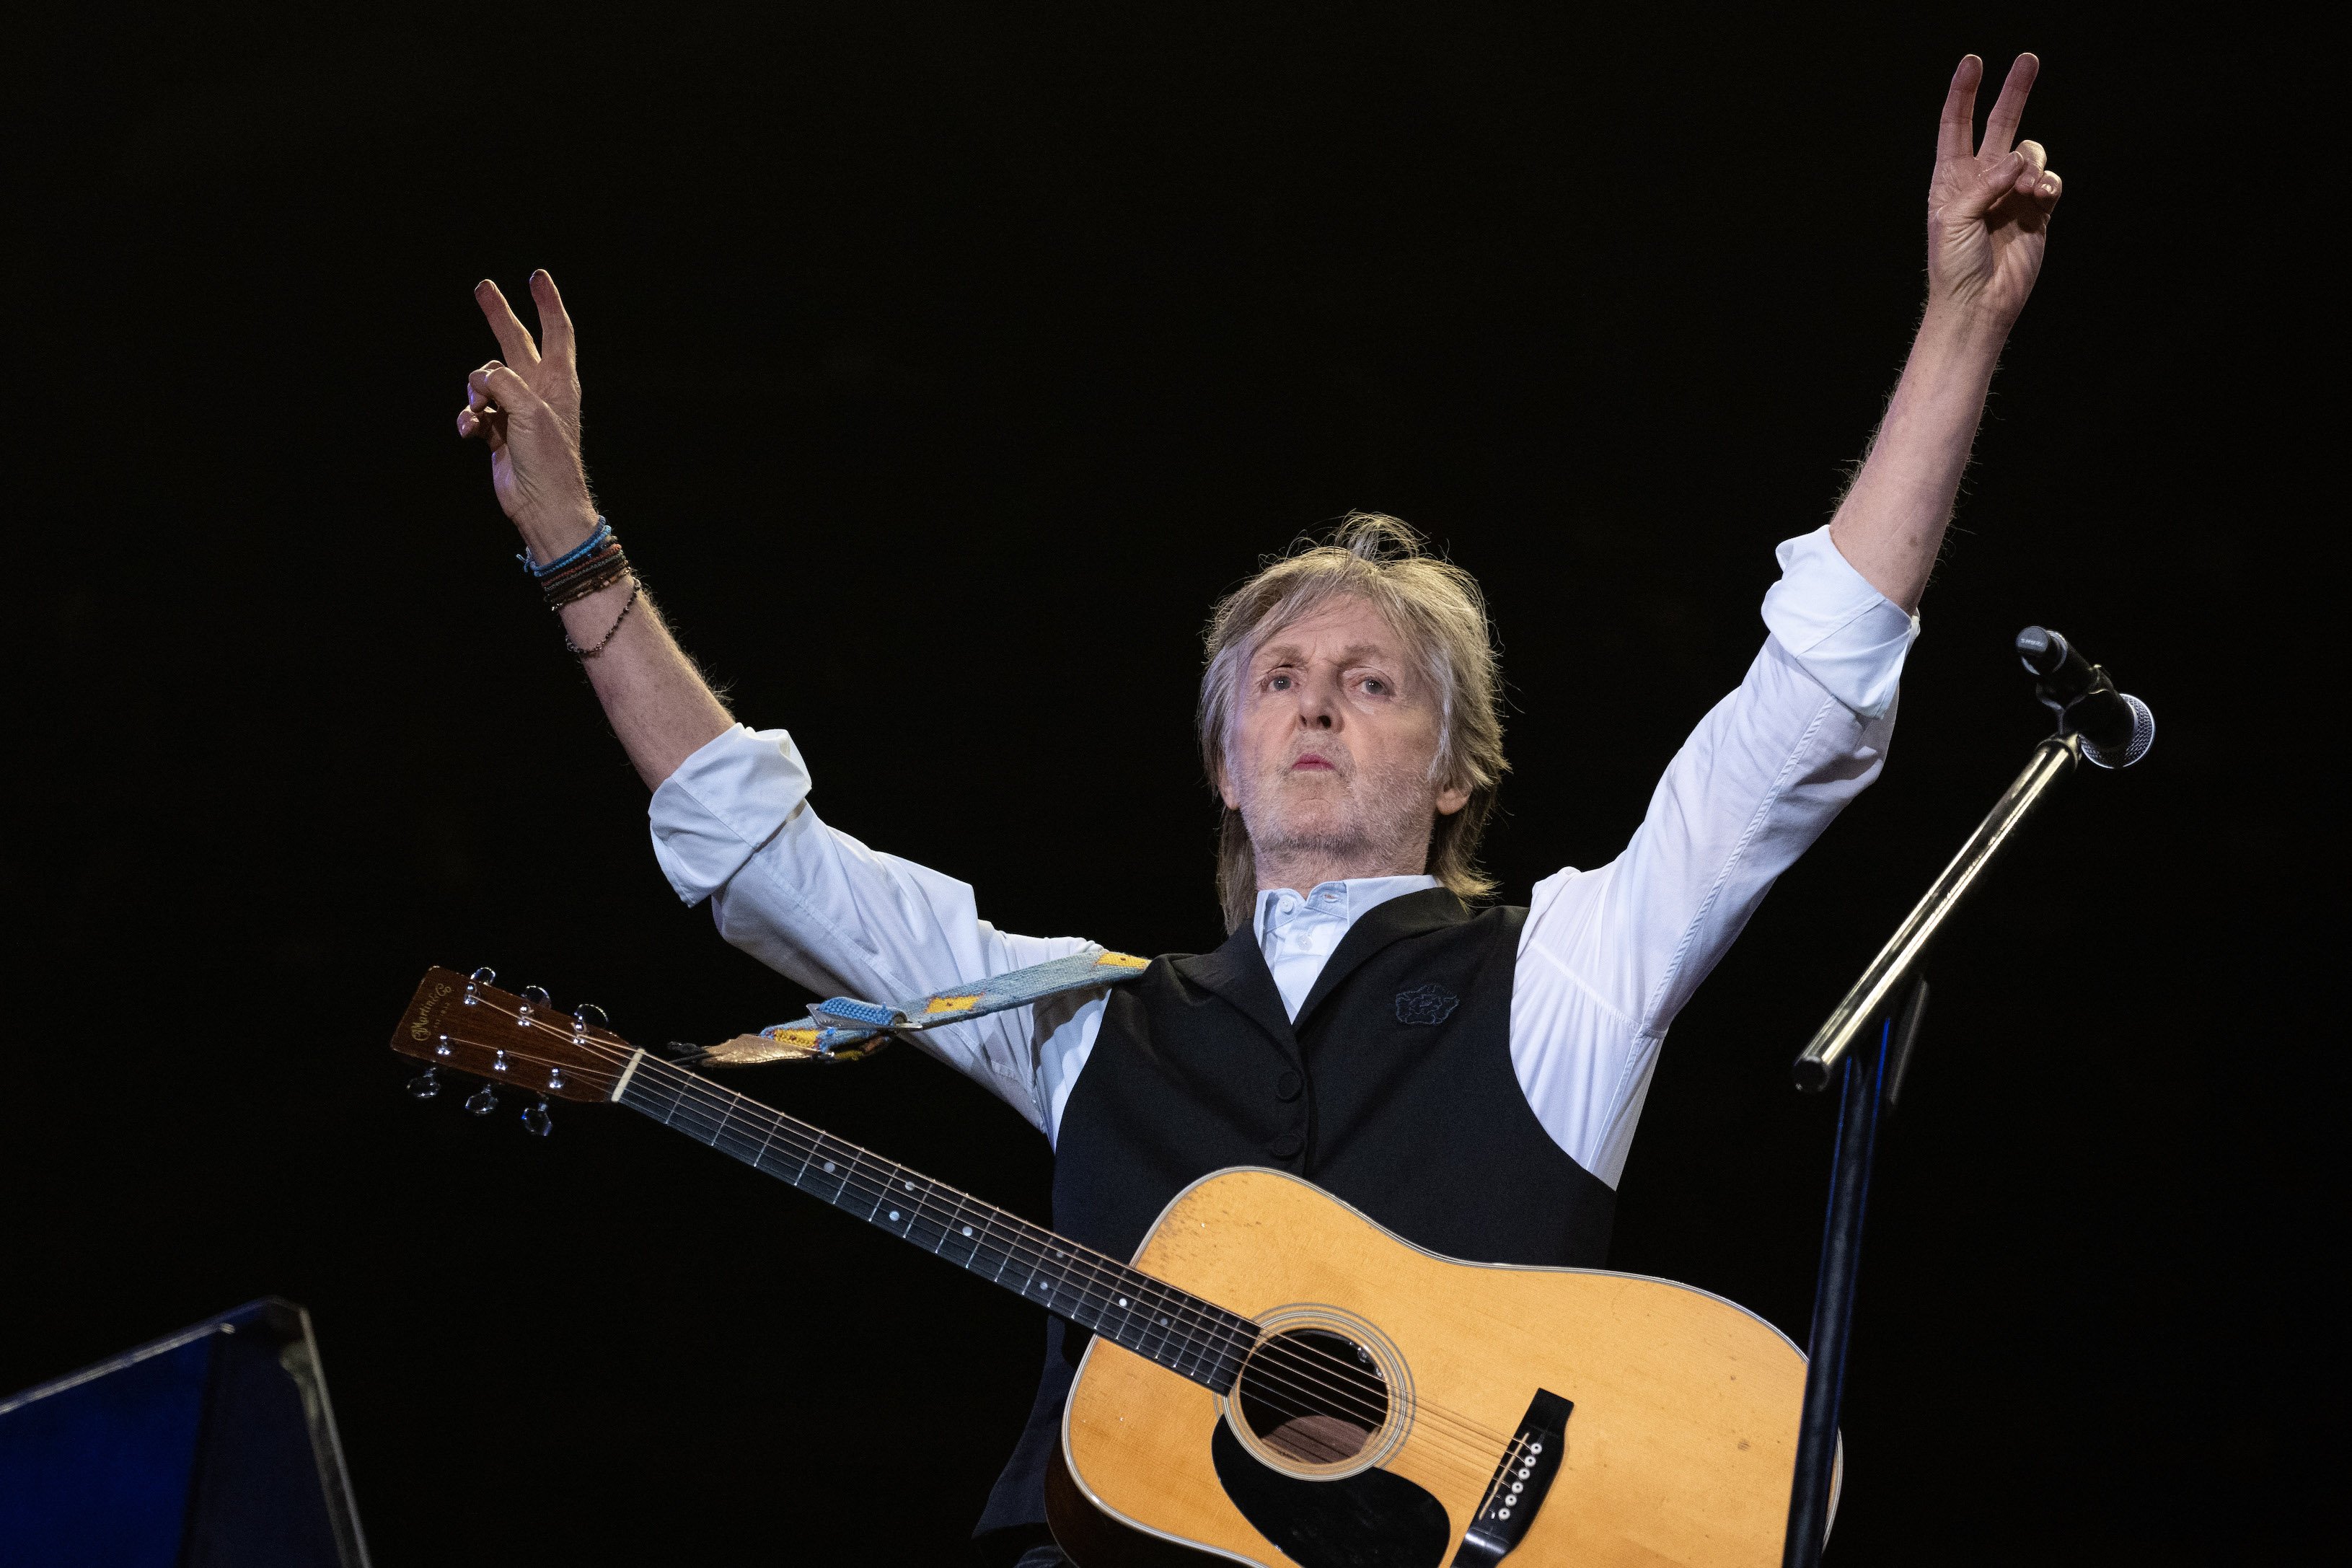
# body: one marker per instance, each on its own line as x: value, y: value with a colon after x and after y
x: 1608, y: 957
x: 733, y: 825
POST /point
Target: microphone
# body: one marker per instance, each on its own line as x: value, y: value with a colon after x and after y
x: 2116, y: 728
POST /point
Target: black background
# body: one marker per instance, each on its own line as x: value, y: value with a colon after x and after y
x: 941, y: 366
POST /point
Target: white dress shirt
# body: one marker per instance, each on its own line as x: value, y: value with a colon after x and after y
x: 1606, y: 959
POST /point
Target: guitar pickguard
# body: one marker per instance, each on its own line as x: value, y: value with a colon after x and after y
x: 1368, y: 1519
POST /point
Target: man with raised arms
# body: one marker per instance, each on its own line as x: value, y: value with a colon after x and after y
x: 1371, y: 1022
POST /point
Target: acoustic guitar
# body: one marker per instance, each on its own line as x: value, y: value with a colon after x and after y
x: 1274, y: 1378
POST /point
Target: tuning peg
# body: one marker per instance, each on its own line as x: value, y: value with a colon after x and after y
x: 426, y: 1084
x: 537, y: 1122
x: 483, y: 1101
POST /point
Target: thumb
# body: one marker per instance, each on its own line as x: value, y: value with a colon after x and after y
x: 503, y: 386
x: 1980, y: 196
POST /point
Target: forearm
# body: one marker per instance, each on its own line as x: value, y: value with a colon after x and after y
x: 1890, y: 523
x: 659, y: 705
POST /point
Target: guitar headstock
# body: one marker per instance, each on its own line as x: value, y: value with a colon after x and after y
x: 464, y: 1024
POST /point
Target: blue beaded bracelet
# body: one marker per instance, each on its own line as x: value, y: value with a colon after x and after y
x: 586, y: 548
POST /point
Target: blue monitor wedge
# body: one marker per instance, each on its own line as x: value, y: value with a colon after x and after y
x: 211, y: 1448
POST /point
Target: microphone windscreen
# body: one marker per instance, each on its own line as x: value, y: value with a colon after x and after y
x: 2120, y: 751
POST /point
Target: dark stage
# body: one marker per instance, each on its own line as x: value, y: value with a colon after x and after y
x: 942, y: 368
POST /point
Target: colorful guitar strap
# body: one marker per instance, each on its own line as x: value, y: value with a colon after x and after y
x: 845, y: 1029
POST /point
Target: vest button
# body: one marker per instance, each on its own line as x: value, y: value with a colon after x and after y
x: 1287, y: 1086
x: 1284, y: 1146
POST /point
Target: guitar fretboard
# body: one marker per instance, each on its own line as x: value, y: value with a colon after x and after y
x: 1192, y: 1338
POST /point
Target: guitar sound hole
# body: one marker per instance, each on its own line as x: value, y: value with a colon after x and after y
x: 1312, y: 1396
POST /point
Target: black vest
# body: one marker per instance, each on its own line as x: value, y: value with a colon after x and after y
x: 1393, y: 1090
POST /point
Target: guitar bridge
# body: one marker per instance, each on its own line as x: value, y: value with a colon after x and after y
x: 1520, y: 1481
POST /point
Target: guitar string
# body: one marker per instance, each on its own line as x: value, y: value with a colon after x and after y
x: 1271, y: 1361
x: 853, y: 1180
x: 1298, y: 1358
x: 1272, y: 1351
x: 1471, y: 1435
x: 1231, y: 1340
x: 1470, y: 1463
x: 1475, y: 1438
x: 1495, y: 1489
x: 1511, y: 1457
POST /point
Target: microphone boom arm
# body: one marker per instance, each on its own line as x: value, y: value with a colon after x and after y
x: 2053, y: 760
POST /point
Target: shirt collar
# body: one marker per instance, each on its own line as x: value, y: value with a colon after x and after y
x: 1344, y: 901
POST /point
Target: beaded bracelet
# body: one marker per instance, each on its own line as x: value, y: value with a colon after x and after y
x: 595, y: 541
x: 637, y: 590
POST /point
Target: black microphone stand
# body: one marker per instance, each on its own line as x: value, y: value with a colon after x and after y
x: 1873, y: 1078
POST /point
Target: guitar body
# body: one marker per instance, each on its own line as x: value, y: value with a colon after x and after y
x: 1377, y: 1438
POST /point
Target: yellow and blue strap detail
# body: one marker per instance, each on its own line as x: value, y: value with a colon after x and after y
x: 843, y: 1028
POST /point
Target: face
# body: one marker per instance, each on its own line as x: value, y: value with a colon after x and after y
x: 1328, y: 761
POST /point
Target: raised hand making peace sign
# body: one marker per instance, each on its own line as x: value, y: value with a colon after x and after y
x: 526, y: 407
x: 1988, y: 208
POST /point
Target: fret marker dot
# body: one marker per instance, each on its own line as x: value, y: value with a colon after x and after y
x: 894, y: 1214
x: 828, y: 1165
x: 1122, y: 1301
x: 967, y: 1230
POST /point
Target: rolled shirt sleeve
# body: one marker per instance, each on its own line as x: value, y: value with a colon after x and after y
x: 733, y: 825
x: 722, y: 805
x: 1608, y: 957
x: 1846, y: 634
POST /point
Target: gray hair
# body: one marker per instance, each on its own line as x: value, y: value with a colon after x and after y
x: 1437, y: 609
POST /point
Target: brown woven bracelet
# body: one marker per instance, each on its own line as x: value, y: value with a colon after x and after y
x: 636, y: 589
x: 579, y: 588
x: 600, y: 568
